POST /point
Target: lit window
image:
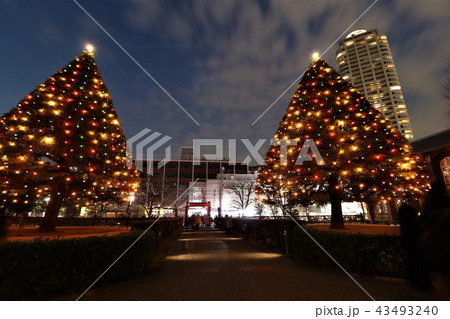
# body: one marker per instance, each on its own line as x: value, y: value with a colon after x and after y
x: 445, y: 167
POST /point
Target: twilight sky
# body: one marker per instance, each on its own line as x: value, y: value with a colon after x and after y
x: 224, y: 61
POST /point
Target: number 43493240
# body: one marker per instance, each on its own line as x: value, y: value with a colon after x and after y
x: 407, y: 311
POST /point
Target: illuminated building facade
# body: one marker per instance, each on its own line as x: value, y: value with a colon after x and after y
x: 364, y: 59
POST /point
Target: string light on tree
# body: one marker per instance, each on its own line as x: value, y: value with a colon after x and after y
x: 365, y: 157
x: 90, y: 48
x: 64, y: 141
x: 315, y: 56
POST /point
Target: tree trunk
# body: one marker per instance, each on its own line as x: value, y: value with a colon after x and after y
x: 337, y: 220
x: 371, y: 207
x: 52, y: 210
x: 393, y: 210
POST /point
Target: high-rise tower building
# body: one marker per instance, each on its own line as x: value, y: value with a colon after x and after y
x: 364, y: 59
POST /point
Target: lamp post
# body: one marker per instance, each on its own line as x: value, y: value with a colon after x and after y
x: 221, y: 191
x: 130, y: 202
x: 214, y: 198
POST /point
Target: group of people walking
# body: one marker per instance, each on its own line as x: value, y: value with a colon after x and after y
x: 198, y: 221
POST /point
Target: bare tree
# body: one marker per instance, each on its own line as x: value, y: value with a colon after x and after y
x: 259, y: 208
x: 175, y: 197
x: 149, y: 193
x: 273, y: 209
x: 154, y: 193
x: 242, y: 191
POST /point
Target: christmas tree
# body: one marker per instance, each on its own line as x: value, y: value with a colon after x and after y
x: 64, y: 141
x: 332, y: 145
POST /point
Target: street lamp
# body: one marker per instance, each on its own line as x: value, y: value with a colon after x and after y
x: 219, y: 210
x: 131, y: 199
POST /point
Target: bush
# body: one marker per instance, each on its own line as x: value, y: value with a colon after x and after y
x: 40, y: 269
x: 374, y: 254
x: 88, y: 222
x: 163, y: 228
x: 268, y: 231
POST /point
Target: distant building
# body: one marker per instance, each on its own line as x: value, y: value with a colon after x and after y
x: 186, y: 153
x: 364, y: 59
x: 174, y: 177
x: 219, y: 193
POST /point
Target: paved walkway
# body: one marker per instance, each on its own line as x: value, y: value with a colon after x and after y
x: 209, y: 265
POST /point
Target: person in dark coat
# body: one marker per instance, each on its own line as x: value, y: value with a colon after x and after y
x: 228, y: 224
x: 435, y: 241
x: 411, y: 230
x: 197, y: 220
x: 192, y: 221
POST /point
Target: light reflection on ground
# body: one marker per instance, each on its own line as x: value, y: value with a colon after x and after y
x: 213, y: 255
x: 209, y: 239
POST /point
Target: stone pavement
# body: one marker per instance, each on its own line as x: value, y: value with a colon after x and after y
x: 209, y: 265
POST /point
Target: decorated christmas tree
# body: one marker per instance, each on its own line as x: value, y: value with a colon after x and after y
x: 64, y: 141
x: 332, y: 145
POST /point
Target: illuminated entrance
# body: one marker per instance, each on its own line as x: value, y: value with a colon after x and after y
x: 197, y: 208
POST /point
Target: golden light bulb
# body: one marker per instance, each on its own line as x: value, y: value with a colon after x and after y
x: 48, y: 140
x: 90, y: 48
x: 315, y: 56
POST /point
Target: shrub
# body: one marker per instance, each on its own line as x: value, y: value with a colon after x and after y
x: 374, y: 254
x: 42, y: 268
x: 268, y: 231
x: 163, y: 228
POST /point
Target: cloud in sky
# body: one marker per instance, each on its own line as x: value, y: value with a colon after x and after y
x: 250, y: 52
x: 227, y: 61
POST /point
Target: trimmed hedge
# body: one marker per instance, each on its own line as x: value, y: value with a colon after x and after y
x: 81, y: 221
x: 40, y: 269
x: 164, y: 228
x: 374, y: 254
x: 267, y: 231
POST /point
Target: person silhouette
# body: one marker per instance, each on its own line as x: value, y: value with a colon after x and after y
x: 228, y: 224
x: 435, y: 239
x: 410, y: 231
x: 22, y: 220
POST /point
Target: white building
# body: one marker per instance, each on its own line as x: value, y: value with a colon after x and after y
x: 218, y: 193
x: 364, y: 59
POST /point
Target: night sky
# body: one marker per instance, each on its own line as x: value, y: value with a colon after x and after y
x: 224, y: 61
